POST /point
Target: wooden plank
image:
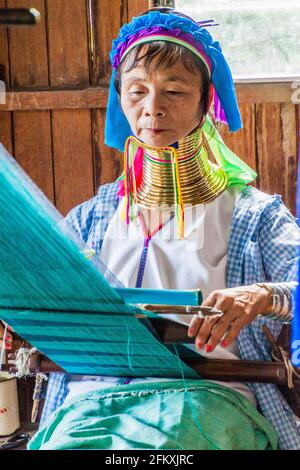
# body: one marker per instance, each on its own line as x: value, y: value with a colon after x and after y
x: 107, y: 19
x: 6, y: 137
x: 73, y: 162
x: 4, y: 60
x: 289, y: 148
x: 34, y: 153
x: 88, y: 98
x: 108, y: 161
x: 264, y: 92
x: 6, y: 131
x: 271, y: 163
x: 137, y: 7
x: 277, y: 150
x: 29, y: 69
x: 28, y: 49
x: 72, y: 134
x: 67, y: 42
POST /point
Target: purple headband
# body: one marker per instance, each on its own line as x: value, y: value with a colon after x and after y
x: 154, y: 31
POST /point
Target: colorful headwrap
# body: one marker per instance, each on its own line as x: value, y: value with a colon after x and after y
x: 156, y: 26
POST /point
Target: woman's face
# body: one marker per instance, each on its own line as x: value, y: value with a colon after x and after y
x: 162, y: 106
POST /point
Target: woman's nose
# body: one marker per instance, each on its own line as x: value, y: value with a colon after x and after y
x: 154, y: 106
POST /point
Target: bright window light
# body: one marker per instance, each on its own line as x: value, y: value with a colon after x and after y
x: 259, y: 38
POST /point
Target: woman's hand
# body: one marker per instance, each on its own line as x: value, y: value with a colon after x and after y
x: 240, y: 306
x: 8, y: 337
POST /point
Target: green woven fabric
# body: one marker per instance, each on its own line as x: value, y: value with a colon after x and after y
x: 190, y: 415
x: 237, y: 171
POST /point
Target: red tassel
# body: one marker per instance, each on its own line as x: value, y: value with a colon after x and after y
x: 138, y: 170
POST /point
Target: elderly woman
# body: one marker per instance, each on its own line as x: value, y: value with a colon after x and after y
x: 175, y: 220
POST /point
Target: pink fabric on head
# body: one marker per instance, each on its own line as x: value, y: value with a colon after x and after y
x: 219, y: 111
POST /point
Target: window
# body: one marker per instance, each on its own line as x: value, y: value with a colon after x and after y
x: 259, y: 38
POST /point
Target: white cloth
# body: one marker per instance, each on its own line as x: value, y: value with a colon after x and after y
x: 198, y: 261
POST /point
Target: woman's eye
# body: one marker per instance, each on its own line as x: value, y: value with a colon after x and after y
x: 136, y: 92
x: 175, y: 92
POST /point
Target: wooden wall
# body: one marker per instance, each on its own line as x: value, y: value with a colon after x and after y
x: 269, y: 141
x: 57, y: 74
x: 51, y: 70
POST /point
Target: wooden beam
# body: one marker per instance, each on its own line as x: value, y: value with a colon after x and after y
x: 270, y: 92
x: 90, y: 98
x: 95, y: 97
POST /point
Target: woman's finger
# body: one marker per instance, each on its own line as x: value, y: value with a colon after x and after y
x: 234, y: 330
x: 8, y: 339
x: 219, y: 330
x: 7, y: 345
x: 8, y: 335
x: 194, y: 326
x: 205, y: 331
x: 211, y: 299
x: 215, y: 299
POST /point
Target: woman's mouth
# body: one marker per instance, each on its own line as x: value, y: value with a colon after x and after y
x: 155, y: 131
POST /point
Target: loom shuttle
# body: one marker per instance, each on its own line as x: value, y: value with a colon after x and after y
x: 181, y: 309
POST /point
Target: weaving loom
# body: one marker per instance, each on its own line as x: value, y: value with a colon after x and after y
x: 58, y: 296
x: 76, y: 313
x: 62, y: 303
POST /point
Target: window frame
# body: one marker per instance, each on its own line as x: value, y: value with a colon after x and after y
x: 244, y: 79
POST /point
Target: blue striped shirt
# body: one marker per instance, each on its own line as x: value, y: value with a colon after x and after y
x: 263, y: 247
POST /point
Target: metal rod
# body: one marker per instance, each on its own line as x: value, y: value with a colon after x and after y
x: 172, y: 333
x: 19, y: 16
x: 181, y: 309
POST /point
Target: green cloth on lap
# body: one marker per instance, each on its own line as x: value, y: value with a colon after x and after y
x: 176, y: 415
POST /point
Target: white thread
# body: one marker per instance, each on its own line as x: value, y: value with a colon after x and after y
x: 3, y: 346
x: 22, y: 362
x: 128, y: 349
